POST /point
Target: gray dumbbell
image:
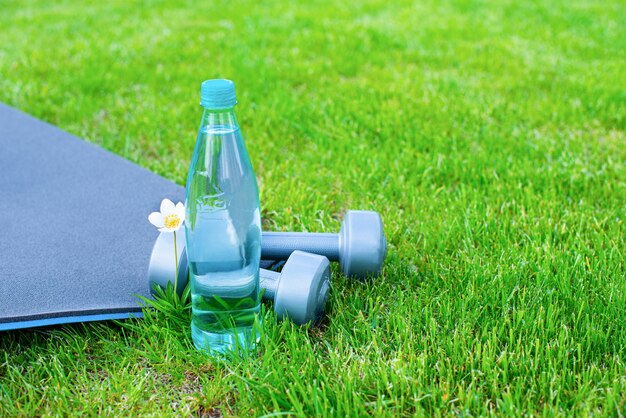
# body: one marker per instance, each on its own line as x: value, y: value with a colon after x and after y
x: 360, y: 246
x: 299, y: 292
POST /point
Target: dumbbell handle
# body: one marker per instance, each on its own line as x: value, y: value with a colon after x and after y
x: 269, y: 282
x: 280, y: 245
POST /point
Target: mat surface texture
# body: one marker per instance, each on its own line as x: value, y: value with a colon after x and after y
x: 75, y: 241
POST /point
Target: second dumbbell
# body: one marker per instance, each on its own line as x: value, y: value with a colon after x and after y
x: 360, y: 246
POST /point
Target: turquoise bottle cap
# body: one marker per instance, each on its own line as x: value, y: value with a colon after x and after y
x: 217, y: 94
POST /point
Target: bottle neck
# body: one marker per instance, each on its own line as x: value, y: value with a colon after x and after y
x: 220, y: 118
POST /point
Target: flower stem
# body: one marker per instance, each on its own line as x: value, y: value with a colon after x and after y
x: 176, y: 259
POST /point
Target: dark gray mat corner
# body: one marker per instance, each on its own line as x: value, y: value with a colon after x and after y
x: 75, y: 241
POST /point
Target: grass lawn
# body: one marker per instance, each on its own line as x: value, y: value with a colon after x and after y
x: 489, y: 135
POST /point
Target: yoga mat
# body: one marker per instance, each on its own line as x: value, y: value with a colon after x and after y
x: 75, y: 241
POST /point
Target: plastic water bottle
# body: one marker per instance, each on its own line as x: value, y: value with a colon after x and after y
x: 223, y: 229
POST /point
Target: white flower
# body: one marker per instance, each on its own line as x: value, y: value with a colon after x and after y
x: 170, y: 218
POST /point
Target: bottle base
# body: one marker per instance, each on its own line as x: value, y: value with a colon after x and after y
x: 236, y: 341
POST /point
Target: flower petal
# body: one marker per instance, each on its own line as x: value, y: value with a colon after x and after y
x: 167, y: 207
x: 180, y: 210
x: 165, y: 230
x: 156, y: 219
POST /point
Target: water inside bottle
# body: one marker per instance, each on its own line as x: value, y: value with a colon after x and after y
x: 225, y: 283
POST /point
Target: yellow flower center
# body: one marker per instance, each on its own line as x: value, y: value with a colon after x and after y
x: 171, y: 221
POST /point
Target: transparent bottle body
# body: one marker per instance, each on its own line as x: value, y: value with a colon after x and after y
x: 223, y: 233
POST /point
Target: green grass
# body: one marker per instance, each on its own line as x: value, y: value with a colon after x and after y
x: 489, y: 135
